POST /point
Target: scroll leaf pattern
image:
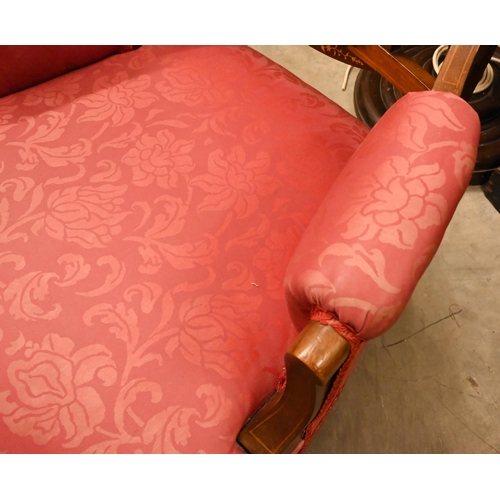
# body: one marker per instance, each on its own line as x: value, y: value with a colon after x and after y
x: 148, y: 210
x: 383, y: 221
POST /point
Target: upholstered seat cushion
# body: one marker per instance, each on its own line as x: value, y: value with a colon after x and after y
x: 149, y: 206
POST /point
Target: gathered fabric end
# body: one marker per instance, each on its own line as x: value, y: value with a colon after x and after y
x: 330, y: 318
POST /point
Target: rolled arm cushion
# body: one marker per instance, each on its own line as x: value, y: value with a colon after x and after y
x: 382, y: 222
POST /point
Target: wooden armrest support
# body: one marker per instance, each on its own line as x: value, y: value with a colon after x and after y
x: 426, y: 78
x: 311, y: 363
x: 462, y: 69
x: 404, y: 73
x: 460, y: 73
x: 405, y: 76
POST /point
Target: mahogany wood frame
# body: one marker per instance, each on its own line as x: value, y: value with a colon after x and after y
x: 311, y: 363
x: 319, y: 351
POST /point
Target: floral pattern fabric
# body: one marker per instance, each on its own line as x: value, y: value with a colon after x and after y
x: 378, y: 228
x: 149, y: 206
x: 384, y: 218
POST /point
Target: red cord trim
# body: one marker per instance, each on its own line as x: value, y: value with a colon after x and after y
x: 329, y: 318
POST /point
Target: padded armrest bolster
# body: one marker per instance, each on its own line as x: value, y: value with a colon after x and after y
x: 383, y: 220
x: 23, y: 66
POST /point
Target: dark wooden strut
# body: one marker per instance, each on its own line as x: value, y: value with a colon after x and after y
x: 311, y: 363
x: 461, y: 71
x: 405, y: 75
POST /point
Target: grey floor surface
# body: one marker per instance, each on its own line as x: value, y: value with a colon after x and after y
x: 438, y: 391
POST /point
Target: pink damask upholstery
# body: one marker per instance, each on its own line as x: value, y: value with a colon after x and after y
x: 149, y: 206
x: 382, y: 221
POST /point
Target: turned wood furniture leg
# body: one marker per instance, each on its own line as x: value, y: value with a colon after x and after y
x: 310, y: 363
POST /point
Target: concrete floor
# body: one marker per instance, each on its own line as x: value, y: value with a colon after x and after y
x: 439, y: 390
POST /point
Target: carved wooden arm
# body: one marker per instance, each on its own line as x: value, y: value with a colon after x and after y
x: 311, y: 363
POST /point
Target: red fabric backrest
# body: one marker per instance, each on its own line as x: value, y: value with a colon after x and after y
x: 22, y: 66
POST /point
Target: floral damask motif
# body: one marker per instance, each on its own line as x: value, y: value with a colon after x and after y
x: 128, y: 424
x: 116, y: 98
x: 16, y: 260
x: 19, y: 187
x: 372, y: 263
x: 242, y: 278
x: 8, y: 259
x: 465, y: 160
x: 44, y: 143
x: 399, y: 201
x: 233, y: 182
x: 274, y: 256
x: 169, y: 430
x: 109, y: 172
x: 414, y: 124
x: 141, y: 58
x: 154, y: 243
x: 189, y: 82
x: 214, y: 329
x: 253, y: 235
x: 52, y: 390
x: 123, y: 320
x: 161, y: 158
x: 305, y: 99
x: 111, y: 280
x: 26, y: 296
x: 29, y: 295
x: 54, y: 92
x: 87, y: 215
x: 421, y: 263
x: 7, y: 107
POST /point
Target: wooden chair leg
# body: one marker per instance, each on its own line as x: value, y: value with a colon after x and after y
x: 311, y: 364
